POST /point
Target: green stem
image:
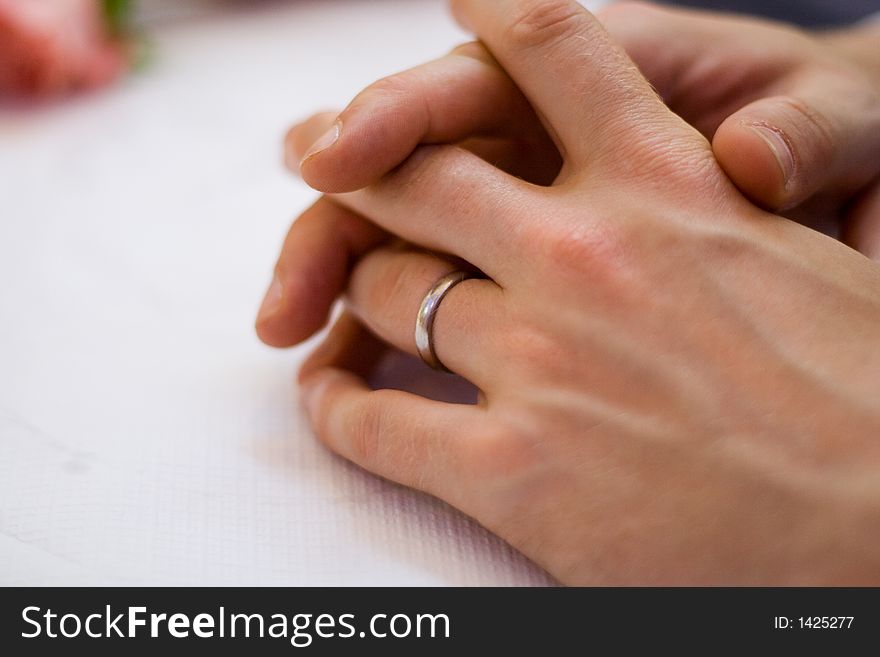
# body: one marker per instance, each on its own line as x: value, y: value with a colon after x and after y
x: 116, y: 13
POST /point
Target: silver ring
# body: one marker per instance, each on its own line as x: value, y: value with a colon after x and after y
x: 427, y: 312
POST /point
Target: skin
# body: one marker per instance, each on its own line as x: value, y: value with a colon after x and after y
x: 676, y: 386
x: 696, y: 60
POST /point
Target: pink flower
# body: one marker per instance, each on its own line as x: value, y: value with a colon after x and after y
x: 49, y: 47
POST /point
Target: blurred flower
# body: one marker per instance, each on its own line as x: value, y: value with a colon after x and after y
x: 49, y: 47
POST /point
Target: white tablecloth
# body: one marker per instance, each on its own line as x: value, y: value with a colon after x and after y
x: 146, y: 437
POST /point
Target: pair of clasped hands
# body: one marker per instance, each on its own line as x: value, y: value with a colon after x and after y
x: 678, y: 372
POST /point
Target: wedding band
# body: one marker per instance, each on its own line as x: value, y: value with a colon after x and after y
x: 427, y: 312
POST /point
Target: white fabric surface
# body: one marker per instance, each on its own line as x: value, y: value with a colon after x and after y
x: 146, y: 437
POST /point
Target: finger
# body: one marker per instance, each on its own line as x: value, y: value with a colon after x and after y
x: 300, y: 137
x: 529, y: 154
x: 821, y: 137
x: 312, y: 271
x: 440, y: 198
x: 591, y: 96
x: 348, y: 345
x: 387, y: 288
x: 815, y: 133
x: 687, y: 57
x: 397, y: 435
x: 863, y: 228
x: 461, y: 95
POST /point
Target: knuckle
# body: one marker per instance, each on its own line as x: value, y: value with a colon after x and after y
x: 688, y: 169
x: 391, y: 85
x: 594, y: 248
x: 388, y: 93
x: 365, y: 433
x: 438, y: 171
x: 818, y: 128
x: 504, y: 452
x: 532, y: 346
x: 400, y: 281
x: 539, y: 23
x: 396, y: 283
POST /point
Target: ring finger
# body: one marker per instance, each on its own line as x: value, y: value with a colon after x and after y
x: 387, y: 288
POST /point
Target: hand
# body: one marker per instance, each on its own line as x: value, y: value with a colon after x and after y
x: 698, y: 60
x: 794, y: 118
x: 676, y: 386
x: 464, y: 97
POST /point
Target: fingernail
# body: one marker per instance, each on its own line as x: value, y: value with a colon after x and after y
x: 324, y: 142
x: 272, y: 300
x: 310, y: 394
x: 291, y: 161
x: 307, y: 399
x: 779, y: 147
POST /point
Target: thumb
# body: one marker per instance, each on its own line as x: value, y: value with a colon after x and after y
x: 819, y: 138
